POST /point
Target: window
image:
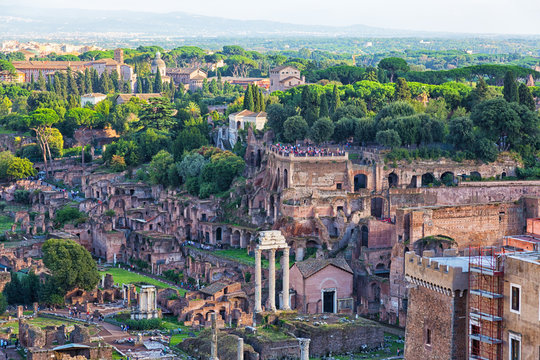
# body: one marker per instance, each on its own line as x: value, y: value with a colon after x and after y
x: 514, y: 341
x: 338, y: 186
x: 428, y: 337
x: 515, y: 298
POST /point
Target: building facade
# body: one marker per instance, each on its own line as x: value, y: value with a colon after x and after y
x: 285, y: 77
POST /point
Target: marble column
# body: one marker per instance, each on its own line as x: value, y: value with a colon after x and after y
x: 240, y: 349
x: 272, y: 279
x: 213, y: 344
x: 304, y: 348
x: 258, y: 285
x: 285, y: 267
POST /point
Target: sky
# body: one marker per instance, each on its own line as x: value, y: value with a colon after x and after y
x: 470, y: 16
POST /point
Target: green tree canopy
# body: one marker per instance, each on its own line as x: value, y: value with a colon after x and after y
x: 295, y: 128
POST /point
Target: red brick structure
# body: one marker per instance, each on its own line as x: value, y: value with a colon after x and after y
x: 322, y: 285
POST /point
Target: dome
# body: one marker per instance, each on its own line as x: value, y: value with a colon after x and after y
x: 158, y: 63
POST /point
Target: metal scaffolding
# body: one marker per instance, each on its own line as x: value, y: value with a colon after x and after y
x: 486, y: 269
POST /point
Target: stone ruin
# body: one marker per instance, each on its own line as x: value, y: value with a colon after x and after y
x: 147, y: 305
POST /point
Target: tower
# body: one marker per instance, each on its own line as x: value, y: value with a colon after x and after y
x: 119, y: 55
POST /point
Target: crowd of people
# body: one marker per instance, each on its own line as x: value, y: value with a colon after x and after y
x: 305, y: 151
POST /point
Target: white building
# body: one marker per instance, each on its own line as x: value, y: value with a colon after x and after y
x: 92, y: 98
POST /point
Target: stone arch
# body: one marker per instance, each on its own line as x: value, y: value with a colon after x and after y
x: 414, y: 182
x: 377, y: 207
x: 380, y: 266
x: 427, y: 179
x: 285, y: 178
x: 393, y: 180
x: 448, y: 178
x: 365, y: 236
x: 503, y: 175
x: 475, y: 175
x: 360, y: 182
x: 235, y: 238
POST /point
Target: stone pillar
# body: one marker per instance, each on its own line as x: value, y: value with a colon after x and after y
x: 213, y: 344
x: 258, y: 285
x: 240, y: 349
x: 285, y: 267
x: 304, y: 348
x: 36, y: 307
x: 272, y: 280
x: 19, y: 312
x: 299, y: 254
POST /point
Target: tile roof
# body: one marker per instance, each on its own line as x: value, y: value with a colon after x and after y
x: 289, y: 78
x: 312, y: 266
x: 279, y: 68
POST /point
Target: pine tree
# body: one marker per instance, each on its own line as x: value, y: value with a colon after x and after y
x: 510, y: 88
x: 158, y: 83
x: 323, y: 111
x: 525, y: 97
x: 41, y: 82
x: 249, y: 103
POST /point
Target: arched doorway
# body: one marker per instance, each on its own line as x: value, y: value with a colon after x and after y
x: 360, y: 182
x: 235, y: 239
x: 413, y: 184
x: 365, y: 236
x: 428, y: 179
x: 285, y: 179
x: 219, y: 235
x: 448, y: 178
x: 393, y: 180
x: 475, y: 176
x: 377, y: 207
x: 238, y: 125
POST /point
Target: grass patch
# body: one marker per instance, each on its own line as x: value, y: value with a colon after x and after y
x: 43, y: 322
x: 122, y: 276
x: 5, y: 223
x: 171, y: 323
x: 391, y: 344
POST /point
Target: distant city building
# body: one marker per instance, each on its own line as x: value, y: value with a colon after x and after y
x: 241, y: 120
x: 285, y: 77
x: 92, y: 98
x: 8, y: 76
x: 48, y: 68
x: 263, y: 83
x: 192, y: 78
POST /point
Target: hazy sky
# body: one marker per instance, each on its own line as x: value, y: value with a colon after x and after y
x: 478, y: 16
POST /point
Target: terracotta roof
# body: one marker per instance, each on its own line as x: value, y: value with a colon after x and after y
x: 184, y: 71
x: 106, y: 61
x: 55, y: 65
x: 213, y: 288
x: 247, y: 113
x: 311, y: 266
x: 127, y: 97
x: 93, y: 95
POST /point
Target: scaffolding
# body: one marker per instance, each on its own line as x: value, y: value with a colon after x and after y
x: 485, y: 304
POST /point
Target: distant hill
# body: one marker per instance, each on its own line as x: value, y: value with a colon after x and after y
x: 18, y: 20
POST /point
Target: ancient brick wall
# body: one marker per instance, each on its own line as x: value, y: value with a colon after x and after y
x: 445, y: 320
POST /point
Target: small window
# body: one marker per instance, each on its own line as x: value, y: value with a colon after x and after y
x: 515, y: 298
x: 340, y: 208
x: 515, y: 346
x: 338, y: 186
x: 428, y: 337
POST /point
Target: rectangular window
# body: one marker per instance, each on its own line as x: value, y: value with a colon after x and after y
x: 428, y: 337
x: 515, y: 298
x: 514, y: 341
x: 338, y: 186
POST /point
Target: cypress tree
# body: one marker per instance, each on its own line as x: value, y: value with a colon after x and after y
x: 158, y: 83
x: 525, y: 97
x: 104, y: 83
x: 41, y: 82
x: 262, y: 103
x: 481, y: 89
x: 249, y: 103
x: 71, y: 84
x: 32, y: 82
x: 220, y: 84
x: 510, y: 88
x: 95, y: 80
x: 127, y: 87
x: 87, y: 81
x: 149, y: 86
x: 336, y: 101
x: 139, y: 85
x: 172, y: 89
x: 256, y: 100
x: 323, y: 111
x: 57, y: 84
